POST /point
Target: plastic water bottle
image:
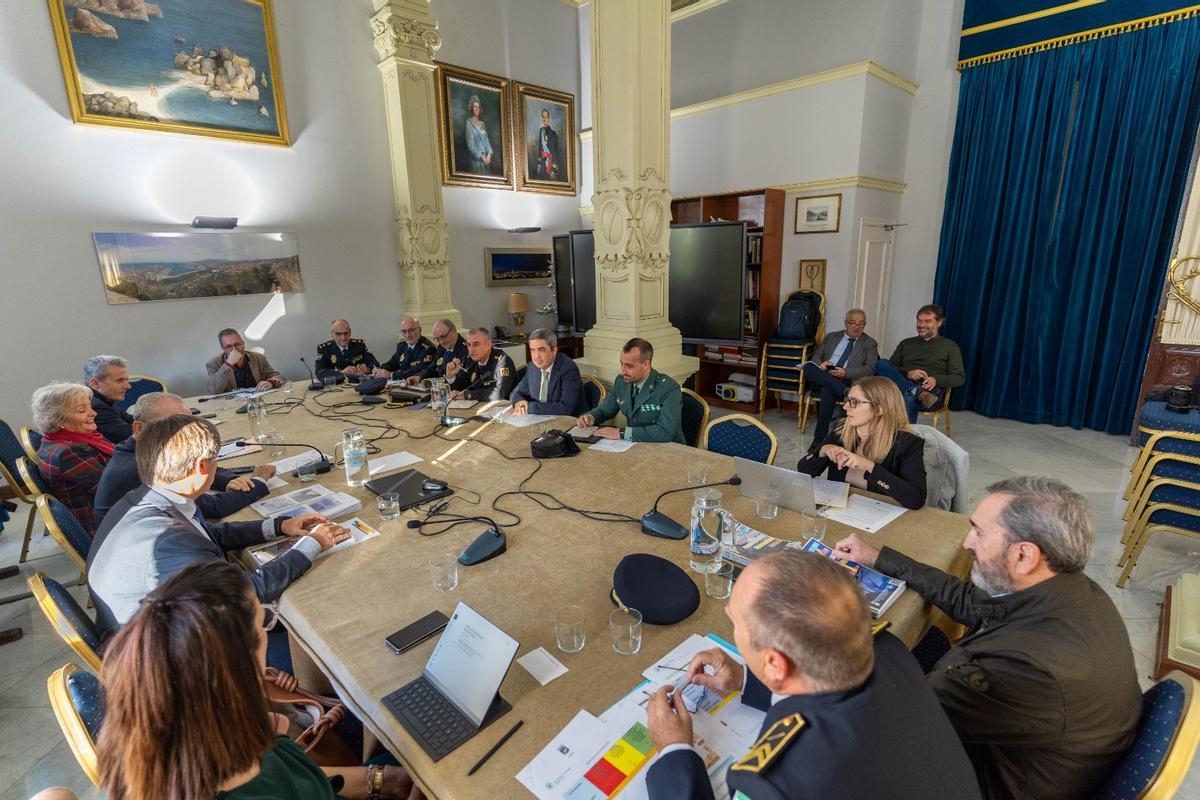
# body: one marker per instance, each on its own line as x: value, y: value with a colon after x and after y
x: 706, y: 531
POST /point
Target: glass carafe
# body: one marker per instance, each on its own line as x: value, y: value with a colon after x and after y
x: 354, y: 452
x: 439, y: 396
x: 706, y: 531
x: 256, y: 415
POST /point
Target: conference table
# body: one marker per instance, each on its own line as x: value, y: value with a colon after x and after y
x: 339, y: 613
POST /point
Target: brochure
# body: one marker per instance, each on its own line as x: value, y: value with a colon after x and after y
x: 881, y: 590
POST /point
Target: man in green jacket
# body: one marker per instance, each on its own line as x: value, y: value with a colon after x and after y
x: 651, y: 402
x: 926, y: 365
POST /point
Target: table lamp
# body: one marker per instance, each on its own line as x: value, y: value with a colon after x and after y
x: 518, y: 304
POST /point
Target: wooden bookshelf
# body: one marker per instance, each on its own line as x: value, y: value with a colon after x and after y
x: 763, y: 211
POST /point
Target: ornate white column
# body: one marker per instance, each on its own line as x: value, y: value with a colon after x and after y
x: 631, y: 100
x: 406, y: 37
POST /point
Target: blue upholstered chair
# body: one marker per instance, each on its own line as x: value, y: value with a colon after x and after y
x: 138, y: 386
x: 1168, y: 733
x: 740, y: 435
x: 10, y: 451
x: 695, y: 416
x: 69, y: 620
x: 30, y: 441
x: 78, y: 703
x: 65, y: 529
x: 593, y: 391
x: 29, y: 472
x: 519, y: 375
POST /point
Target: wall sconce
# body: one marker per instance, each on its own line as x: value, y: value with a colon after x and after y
x: 525, y: 229
x: 518, y: 304
x: 220, y: 223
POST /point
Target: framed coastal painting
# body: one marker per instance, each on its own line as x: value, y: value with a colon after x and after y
x: 819, y: 214
x: 544, y: 140
x: 140, y: 267
x: 206, y: 68
x: 474, y: 128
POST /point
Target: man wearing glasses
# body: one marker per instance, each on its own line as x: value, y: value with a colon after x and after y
x: 450, y: 348
x: 413, y: 353
x: 842, y: 357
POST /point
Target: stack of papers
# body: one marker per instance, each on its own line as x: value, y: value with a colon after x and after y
x: 881, y: 591
x: 865, y: 513
x: 231, y: 449
x: 359, y: 532
x: 314, y: 499
x: 830, y: 493
x: 612, y: 445
x: 504, y: 414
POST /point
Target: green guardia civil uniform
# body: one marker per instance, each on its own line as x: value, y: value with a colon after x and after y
x: 654, y: 412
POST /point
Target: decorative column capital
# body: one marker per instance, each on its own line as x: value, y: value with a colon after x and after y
x: 404, y: 29
x: 632, y: 224
x: 422, y: 238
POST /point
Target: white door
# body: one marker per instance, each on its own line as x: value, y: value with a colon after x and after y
x: 873, y: 273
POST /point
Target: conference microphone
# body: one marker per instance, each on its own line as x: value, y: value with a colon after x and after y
x: 656, y: 523
x: 315, y: 385
x: 323, y: 464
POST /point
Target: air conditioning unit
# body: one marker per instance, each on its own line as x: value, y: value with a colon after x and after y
x: 735, y: 392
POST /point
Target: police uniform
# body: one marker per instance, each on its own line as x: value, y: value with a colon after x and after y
x: 331, y: 359
x: 409, y: 359
x: 491, y: 380
x: 655, y: 415
x: 887, y: 738
x: 441, y: 357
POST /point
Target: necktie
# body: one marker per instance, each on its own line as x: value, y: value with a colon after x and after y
x: 545, y: 386
x: 845, y: 354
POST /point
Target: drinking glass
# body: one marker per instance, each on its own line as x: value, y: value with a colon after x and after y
x: 389, y: 506
x: 697, y: 473
x: 813, y: 525
x: 569, y: 630
x: 626, y: 625
x: 307, y: 472
x: 718, y: 584
x: 285, y: 390
x: 444, y: 571
x: 766, y: 505
x: 274, y: 442
x: 220, y: 404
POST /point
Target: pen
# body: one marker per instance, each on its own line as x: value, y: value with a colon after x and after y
x: 495, y: 747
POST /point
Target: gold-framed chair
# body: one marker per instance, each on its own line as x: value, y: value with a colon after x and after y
x: 66, y: 530
x: 597, y: 390
x: 1178, y: 519
x: 29, y: 443
x: 695, y: 413
x: 1151, y: 449
x: 32, y: 476
x: 807, y: 401
x: 942, y: 411
x: 75, y: 697
x: 25, y: 495
x: 70, y: 621
x: 740, y: 435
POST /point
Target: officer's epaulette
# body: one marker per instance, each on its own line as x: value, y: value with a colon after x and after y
x: 325, y: 345
x: 879, y: 627
x: 356, y: 341
x: 770, y: 744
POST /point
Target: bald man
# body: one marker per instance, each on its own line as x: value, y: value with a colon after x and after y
x: 413, y: 353
x: 343, y: 355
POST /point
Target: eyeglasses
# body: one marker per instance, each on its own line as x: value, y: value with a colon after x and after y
x: 409, y: 330
x: 270, y: 618
x: 856, y: 323
x: 441, y: 338
x: 854, y: 402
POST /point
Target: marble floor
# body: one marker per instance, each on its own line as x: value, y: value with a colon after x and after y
x: 33, y: 754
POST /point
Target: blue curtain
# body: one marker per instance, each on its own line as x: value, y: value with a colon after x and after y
x: 1066, y: 176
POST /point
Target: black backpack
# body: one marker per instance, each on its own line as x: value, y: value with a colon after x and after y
x: 799, y: 317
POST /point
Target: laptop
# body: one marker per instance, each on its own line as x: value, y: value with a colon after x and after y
x: 457, y: 694
x: 407, y: 484
x: 795, y: 488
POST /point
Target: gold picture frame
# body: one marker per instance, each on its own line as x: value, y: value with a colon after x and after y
x: 544, y: 139
x: 812, y: 274
x: 476, y: 142
x: 820, y: 214
x: 215, y: 85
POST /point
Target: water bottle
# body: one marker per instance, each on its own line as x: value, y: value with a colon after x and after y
x: 354, y: 453
x: 256, y: 414
x: 706, y: 531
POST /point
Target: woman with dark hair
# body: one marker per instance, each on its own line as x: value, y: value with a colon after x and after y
x: 186, y: 715
x: 873, y: 448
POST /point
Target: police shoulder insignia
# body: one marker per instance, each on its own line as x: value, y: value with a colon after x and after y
x: 879, y: 627
x: 504, y: 371
x: 770, y: 744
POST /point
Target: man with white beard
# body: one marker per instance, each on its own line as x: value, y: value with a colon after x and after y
x: 1042, y: 690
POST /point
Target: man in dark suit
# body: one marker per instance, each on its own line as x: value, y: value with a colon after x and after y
x: 108, y: 378
x: 413, y: 353
x: 230, y: 492
x: 488, y: 373
x: 155, y: 531
x: 343, y: 355
x: 546, y: 151
x: 451, y: 348
x: 848, y: 713
x: 552, y: 384
x: 651, y: 402
x: 842, y: 358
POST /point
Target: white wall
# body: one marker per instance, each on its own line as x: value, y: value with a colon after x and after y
x: 64, y: 181
x: 535, y: 41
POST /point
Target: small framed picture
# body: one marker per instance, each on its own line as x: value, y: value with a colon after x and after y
x: 474, y: 128
x: 544, y: 140
x: 812, y: 274
x: 517, y: 266
x: 821, y: 214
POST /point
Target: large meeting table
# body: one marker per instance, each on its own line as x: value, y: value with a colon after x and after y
x: 339, y: 613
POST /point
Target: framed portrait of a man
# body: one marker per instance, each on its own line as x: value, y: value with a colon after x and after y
x: 544, y: 139
x: 474, y: 128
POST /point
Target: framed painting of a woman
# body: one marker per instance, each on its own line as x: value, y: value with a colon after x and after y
x: 474, y: 128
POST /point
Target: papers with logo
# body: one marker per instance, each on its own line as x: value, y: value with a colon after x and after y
x: 558, y: 766
x: 612, y: 445
x: 669, y: 668
x: 749, y: 544
x: 291, y: 462
x: 542, y: 666
x: 231, y: 449
x: 830, y: 493
x: 309, y: 500
x: 276, y: 482
x: 359, y: 532
x: 881, y: 591
x: 865, y: 513
x: 378, y: 466
x: 453, y: 404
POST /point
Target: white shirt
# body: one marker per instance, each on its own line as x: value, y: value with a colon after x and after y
x: 307, y: 545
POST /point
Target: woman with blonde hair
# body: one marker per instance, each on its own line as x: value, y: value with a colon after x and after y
x: 73, y: 452
x: 872, y: 447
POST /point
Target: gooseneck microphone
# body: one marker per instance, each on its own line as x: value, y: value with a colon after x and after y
x: 315, y: 384
x: 656, y: 523
x: 450, y: 421
x: 323, y: 463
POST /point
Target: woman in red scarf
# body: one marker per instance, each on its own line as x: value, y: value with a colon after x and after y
x: 72, y: 451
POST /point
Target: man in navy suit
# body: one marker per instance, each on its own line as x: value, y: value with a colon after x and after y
x: 552, y: 384
x: 848, y: 713
x: 156, y: 530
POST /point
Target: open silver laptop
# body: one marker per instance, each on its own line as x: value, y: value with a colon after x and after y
x: 795, y: 488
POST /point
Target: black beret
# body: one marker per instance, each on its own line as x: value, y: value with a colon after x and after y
x: 663, y: 592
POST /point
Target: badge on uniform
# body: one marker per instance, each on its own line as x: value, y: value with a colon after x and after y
x: 439, y: 361
x: 770, y: 744
x: 333, y: 359
x: 504, y: 372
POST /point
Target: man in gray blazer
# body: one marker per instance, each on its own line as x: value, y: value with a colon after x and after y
x: 842, y: 357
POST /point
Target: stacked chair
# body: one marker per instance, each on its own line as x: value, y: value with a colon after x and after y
x: 1163, y: 493
x: 779, y: 372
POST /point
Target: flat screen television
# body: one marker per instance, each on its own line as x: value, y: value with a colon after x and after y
x: 707, y: 284
x: 564, y: 284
